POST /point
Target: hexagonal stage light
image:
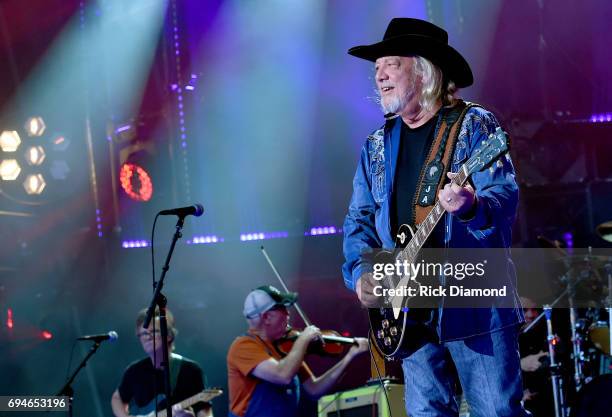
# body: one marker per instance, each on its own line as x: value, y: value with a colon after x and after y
x: 34, y: 184
x: 35, y: 155
x: 35, y: 126
x: 9, y: 140
x: 9, y: 169
x: 34, y: 163
x: 59, y: 170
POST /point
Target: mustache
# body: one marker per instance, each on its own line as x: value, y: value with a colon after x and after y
x: 377, y: 98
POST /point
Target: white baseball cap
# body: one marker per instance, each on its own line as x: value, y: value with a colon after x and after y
x: 265, y: 298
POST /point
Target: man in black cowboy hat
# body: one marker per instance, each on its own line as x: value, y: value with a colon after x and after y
x: 403, y: 170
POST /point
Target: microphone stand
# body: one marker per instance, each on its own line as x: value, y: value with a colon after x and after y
x: 557, y: 379
x: 161, y: 301
x: 67, y: 389
x: 608, y: 268
x: 543, y: 313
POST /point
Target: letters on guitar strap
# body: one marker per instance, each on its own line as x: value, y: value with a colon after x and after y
x: 438, y: 162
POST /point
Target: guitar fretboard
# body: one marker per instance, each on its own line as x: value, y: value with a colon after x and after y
x: 203, y: 396
x: 411, y: 250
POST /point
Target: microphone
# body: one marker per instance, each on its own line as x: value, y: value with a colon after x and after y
x: 112, y: 336
x: 196, y: 210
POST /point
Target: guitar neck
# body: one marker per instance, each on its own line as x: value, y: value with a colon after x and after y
x: 411, y: 250
x: 181, y: 405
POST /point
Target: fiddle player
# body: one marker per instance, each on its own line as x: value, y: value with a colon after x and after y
x: 262, y: 381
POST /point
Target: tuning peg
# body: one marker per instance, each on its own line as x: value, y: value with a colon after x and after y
x: 483, y: 143
x: 491, y: 170
x: 507, y: 156
x: 499, y: 163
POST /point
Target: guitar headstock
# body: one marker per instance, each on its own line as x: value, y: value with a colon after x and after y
x: 207, y: 395
x: 496, y: 145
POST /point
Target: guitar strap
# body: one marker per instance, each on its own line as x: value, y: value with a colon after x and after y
x: 261, y: 341
x: 378, y: 365
x: 438, y: 162
x: 176, y: 362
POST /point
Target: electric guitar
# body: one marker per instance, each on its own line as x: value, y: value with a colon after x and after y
x: 390, y: 325
x: 149, y: 409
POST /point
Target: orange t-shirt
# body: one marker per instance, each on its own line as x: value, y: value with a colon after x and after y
x: 245, y: 353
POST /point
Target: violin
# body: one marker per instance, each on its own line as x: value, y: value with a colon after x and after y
x: 331, y: 343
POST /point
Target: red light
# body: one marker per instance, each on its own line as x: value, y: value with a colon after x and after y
x: 59, y: 140
x: 46, y: 335
x: 9, y: 318
x: 136, y: 182
x: 346, y: 334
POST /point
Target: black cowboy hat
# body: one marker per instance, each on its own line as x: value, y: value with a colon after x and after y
x: 407, y: 37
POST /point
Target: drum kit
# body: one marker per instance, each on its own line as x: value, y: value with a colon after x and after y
x: 591, y: 339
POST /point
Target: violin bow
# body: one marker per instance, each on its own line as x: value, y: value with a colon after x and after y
x: 282, y: 282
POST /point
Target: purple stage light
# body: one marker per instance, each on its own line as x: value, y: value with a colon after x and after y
x: 123, y: 128
x: 129, y: 244
x: 568, y: 237
x: 263, y: 236
x: 601, y: 118
x: 99, y: 222
x: 323, y: 230
x: 244, y: 237
x: 199, y: 240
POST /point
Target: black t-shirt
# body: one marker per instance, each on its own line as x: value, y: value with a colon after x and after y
x: 414, y: 146
x: 140, y: 379
x: 537, y: 381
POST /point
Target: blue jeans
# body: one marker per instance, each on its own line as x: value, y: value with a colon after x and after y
x: 488, y: 367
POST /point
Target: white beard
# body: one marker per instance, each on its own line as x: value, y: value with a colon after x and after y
x: 393, y: 104
x: 397, y: 103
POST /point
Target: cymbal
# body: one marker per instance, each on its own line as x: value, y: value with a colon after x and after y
x: 599, y: 334
x: 604, y: 231
x: 596, y: 261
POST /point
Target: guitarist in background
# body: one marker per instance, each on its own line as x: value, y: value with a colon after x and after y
x: 142, y: 382
x: 417, y: 76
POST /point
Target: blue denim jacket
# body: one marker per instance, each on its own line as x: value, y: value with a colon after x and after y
x: 367, y: 224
